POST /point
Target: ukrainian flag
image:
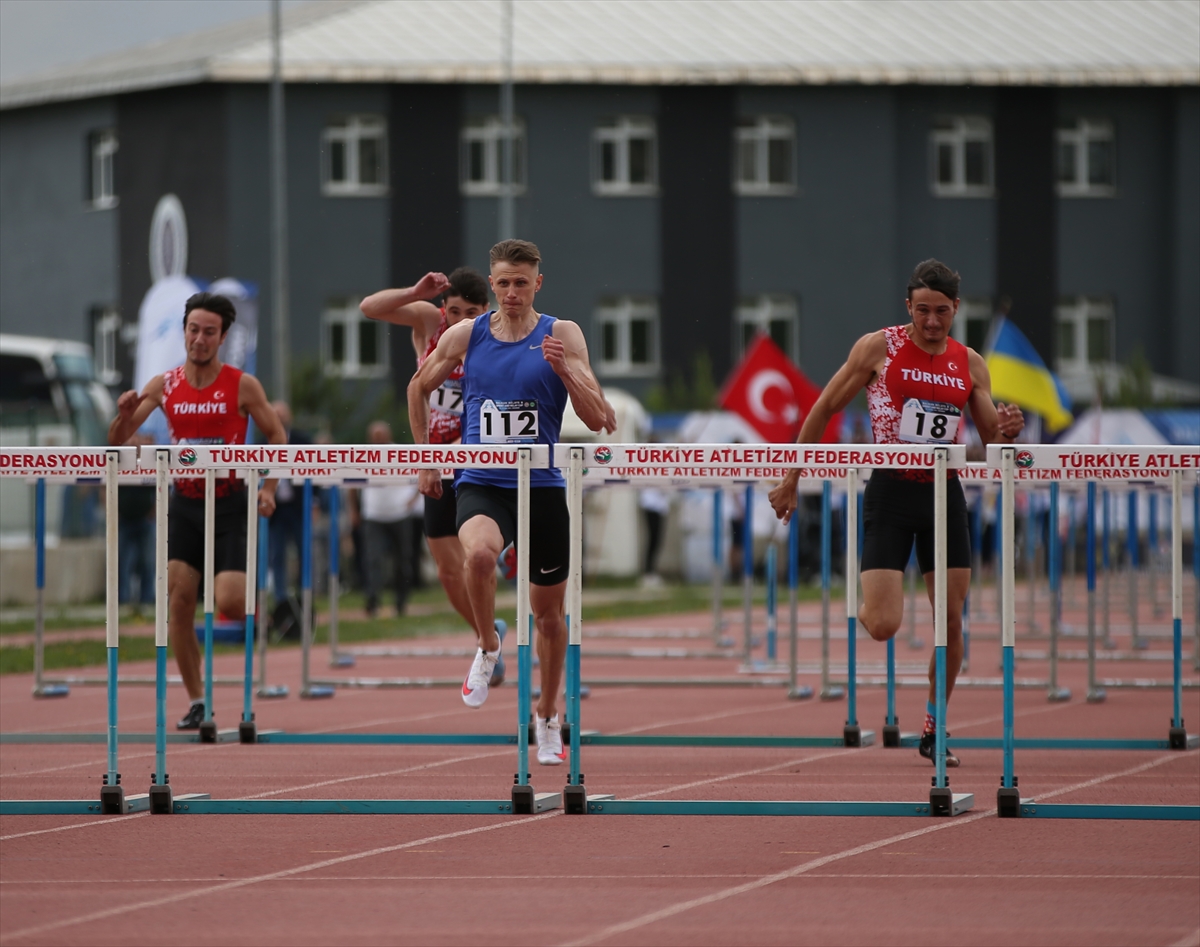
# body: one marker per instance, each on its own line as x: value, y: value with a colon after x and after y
x: 1019, y: 376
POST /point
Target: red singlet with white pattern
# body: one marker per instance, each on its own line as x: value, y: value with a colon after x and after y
x: 445, y: 404
x: 204, y: 416
x: 919, y: 398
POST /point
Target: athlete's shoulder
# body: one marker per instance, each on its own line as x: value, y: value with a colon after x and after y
x: 871, y: 346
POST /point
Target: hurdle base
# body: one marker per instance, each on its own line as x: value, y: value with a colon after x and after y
x: 944, y: 802
x: 1009, y: 802
x: 800, y: 693
x: 1097, y: 695
x: 342, y: 661
x: 833, y: 693
x: 208, y: 731
x: 317, y: 692
x: 247, y: 732
x: 272, y: 692
x: 52, y: 690
x: 566, y: 733
x: 855, y: 736
x: 161, y: 800
x: 522, y: 800
x: 575, y: 799
x: 1058, y: 695
x: 1178, y: 739
x: 891, y: 735
x: 112, y: 800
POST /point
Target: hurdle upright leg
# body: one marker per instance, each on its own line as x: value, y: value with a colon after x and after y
x: 265, y: 691
x: 1196, y: 576
x: 1131, y: 544
x: 1177, y: 738
x: 795, y: 691
x: 772, y: 624
x: 208, y: 728
x: 522, y: 791
x: 941, y: 800
x: 1095, y: 694
x: 40, y: 687
x: 574, y: 794
x: 1152, y: 551
x: 247, y: 733
x: 1008, y: 798
x: 308, y: 690
x: 828, y: 690
x: 1054, y: 556
x: 852, y: 733
x: 112, y: 794
x: 160, y: 789
x: 337, y: 658
x: 718, y: 571
x: 1106, y: 563
x: 747, y: 571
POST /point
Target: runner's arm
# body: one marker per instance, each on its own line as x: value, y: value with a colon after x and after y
x: 566, y: 351
x: 252, y: 399
x: 996, y: 423
x: 858, y: 371
x: 133, y: 409
x: 409, y: 307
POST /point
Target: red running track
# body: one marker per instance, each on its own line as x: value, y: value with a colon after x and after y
x: 552, y: 879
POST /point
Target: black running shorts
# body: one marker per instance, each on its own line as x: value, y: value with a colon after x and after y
x: 549, y: 524
x: 441, y: 515
x: 897, y: 511
x: 185, y: 532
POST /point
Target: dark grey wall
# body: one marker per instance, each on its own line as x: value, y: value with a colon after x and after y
x: 698, y: 241
x: 1185, y: 238
x: 959, y: 231
x: 425, y: 211
x: 832, y: 245
x: 57, y: 255
x: 248, y: 218
x: 172, y: 142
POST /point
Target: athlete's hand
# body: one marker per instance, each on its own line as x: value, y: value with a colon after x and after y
x: 1012, y: 421
x: 430, y: 285
x: 610, y: 418
x: 266, y: 502
x: 429, y: 482
x: 554, y: 352
x: 128, y: 403
x: 784, y: 499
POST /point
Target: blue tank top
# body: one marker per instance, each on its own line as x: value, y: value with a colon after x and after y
x: 511, y: 395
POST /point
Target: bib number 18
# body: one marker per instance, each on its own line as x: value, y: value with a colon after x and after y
x: 508, y: 422
x: 928, y: 422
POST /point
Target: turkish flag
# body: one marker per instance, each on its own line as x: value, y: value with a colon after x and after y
x: 772, y: 394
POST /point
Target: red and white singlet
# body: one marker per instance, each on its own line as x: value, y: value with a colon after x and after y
x: 919, y: 398
x: 204, y: 416
x: 445, y: 404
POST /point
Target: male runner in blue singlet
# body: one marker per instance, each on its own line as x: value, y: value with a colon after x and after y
x: 519, y: 368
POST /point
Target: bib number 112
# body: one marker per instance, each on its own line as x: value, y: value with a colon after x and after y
x: 508, y: 422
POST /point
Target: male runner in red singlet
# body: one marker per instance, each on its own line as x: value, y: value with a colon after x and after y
x: 918, y: 381
x: 465, y: 295
x: 206, y: 402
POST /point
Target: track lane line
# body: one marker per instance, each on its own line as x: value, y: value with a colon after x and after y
x: 681, y: 907
x: 1188, y: 940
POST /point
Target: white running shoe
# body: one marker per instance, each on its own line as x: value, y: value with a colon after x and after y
x: 549, y: 740
x: 475, y: 687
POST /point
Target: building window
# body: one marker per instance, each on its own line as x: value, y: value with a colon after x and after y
x: 625, y: 157
x: 1085, y: 331
x: 777, y: 316
x: 353, y: 346
x: 482, y: 156
x: 102, y: 150
x: 764, y: 160
x: 354, y: 157
x: 1085, y: 157
x: 106, y: 340
x: 627, y: 329
x: 973, y: 322
x: 961, y: 157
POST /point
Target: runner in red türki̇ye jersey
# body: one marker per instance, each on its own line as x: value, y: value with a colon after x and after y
x: 918, y: 382
x: 465, y: 295
x: 206, y: 402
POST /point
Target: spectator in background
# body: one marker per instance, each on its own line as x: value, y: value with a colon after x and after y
x: 655, y: 504
x: 287, y: 525
x: 386, y: 513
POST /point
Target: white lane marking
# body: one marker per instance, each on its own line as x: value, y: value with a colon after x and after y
x: 326, y: 879
x: 680, y: 907
x: 394, y: 772
x: 258, y: 879
x: 1189, y: 940
x: 77, y: 825
x: 840, y: 751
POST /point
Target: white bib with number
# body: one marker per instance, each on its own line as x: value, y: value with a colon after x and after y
x: 929, y: 422
x: 508, y: 422
x: 448, y: 397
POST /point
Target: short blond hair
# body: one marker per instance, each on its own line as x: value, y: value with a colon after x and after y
x: 515, y: 251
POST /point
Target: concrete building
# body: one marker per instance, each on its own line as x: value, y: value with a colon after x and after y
x: 692, y: 172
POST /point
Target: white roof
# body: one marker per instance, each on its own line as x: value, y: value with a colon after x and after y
x: 765, y: 42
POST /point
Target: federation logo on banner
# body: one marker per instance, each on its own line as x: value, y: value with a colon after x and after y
x: 772, y: 394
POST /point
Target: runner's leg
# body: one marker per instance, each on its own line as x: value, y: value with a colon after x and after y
x: 958, y: 583
x: 447, y: 552
x: 183, y: 587
x: 547, y: 602
x: 230, y: 595
x: 882, y: 607
x: 482, y: 544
